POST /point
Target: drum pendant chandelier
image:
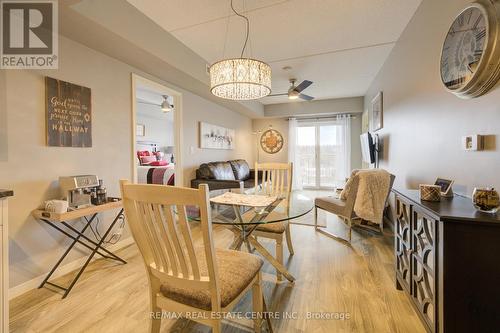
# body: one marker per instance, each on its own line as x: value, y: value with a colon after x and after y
x: 240, y: 78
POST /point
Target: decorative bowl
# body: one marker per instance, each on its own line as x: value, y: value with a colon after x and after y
x: 486, y: 200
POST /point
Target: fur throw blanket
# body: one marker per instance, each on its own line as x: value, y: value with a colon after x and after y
x: 374, y: 186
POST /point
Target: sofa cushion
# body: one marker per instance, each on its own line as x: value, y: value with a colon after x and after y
x: 216, y: 170
x: 241, y: 169
x: 203, y: 172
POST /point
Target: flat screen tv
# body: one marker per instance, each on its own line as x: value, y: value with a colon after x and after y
x: 368, y: 148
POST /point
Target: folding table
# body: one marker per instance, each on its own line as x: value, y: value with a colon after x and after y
x: 55, y: 220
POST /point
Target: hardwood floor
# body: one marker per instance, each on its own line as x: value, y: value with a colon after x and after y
x: 356, y: 282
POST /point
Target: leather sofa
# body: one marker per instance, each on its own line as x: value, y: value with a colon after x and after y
x: 225, y: 175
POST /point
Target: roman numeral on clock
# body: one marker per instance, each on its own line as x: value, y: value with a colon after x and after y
x: 476, y: 23
x: 480, y: 35
x: 478, y: 53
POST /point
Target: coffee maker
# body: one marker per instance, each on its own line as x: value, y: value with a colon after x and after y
x: 73, y: 189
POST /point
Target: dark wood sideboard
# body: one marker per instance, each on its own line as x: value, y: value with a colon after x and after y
x: 448, y: 262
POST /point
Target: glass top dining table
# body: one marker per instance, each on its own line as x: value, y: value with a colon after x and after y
x: 243, y: 220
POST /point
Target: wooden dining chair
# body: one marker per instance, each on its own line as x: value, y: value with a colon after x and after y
x: 207, y: 281
x: 276, y: 179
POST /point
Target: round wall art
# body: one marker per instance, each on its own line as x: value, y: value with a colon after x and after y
x: 271, y: 141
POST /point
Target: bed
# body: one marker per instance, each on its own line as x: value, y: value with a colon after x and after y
x: 161, y: 175
x: 153, y: 168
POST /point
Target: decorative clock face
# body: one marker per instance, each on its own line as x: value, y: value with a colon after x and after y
x: 271, y: 141
x: 464, y: 48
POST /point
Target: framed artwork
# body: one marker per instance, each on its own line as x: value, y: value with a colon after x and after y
x: 69, y: 114
x: 271, y: 141
x: 377, y: 113
x: 445, y: 185
x: 140, y: 130
x: 216, y: 137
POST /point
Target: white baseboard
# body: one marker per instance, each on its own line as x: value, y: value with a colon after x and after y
x: 62, y: 270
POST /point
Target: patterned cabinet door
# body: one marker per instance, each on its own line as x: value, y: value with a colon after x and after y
x: 423, y: 289
x: 403, y: 242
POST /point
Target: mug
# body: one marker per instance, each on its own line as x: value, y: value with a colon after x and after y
x: 56, y: 206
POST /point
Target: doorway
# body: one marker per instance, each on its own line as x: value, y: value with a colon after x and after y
x: 156, y: 133
x: 323, y: 148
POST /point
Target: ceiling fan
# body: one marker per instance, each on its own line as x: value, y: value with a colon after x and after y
x: 165, y: 105
x: 296, y: 91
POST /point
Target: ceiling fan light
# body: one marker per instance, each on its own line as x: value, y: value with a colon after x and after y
x: 240, y: 79
x: 293, y: 95
x: 165, y: 105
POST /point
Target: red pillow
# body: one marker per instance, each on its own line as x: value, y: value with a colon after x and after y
x: 158, y: 163
x: 146, y: 160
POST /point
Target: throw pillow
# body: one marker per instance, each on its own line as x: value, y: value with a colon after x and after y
x: 347, y: 188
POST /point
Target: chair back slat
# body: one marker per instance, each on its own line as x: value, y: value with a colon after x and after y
x: 159, y: 224
x: 174, y: 233
x: 276, y: 178
x: 188, y: 240
x: 140, y: 237
x: 152, y: 235
x: 166, y: 241
x: 282, y: 182
x: 155, y: 212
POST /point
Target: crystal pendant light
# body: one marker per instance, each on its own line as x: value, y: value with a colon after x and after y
x: 240, y: 78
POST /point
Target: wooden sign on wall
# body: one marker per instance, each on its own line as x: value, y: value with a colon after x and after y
x: 69, y: 114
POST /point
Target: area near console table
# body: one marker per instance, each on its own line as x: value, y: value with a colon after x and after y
x: 446, y: 261
x: 4, y: 261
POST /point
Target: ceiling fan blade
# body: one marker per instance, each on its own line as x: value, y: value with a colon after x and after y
x: 284, y: 94
x: 303, y: 85
x: 306, y: 97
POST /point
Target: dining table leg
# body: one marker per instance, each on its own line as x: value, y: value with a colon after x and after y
x: 246, y: 237
x: 249, y: 247
x: 238, y: 239
x: 282, y: 269
x: 268, y: 318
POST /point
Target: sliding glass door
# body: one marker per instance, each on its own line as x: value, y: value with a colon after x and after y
x: 307, y: 155
x: 322, y: 150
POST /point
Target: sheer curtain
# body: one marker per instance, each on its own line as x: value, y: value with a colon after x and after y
x: 292, y: 153
x: 343, y: 162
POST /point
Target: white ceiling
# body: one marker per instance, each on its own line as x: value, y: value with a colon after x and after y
x: 340, y: 45
x: 149, y: 102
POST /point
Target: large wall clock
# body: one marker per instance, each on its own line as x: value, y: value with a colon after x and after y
x: 470, y: 59
x: 271, y: 141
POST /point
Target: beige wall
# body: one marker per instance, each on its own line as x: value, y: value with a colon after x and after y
x: 32, y: 168
x: 214, y: 114
x: 3, y: 118
x: 159, y: 126
x: 281, y: 124
x: 423, y: 124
